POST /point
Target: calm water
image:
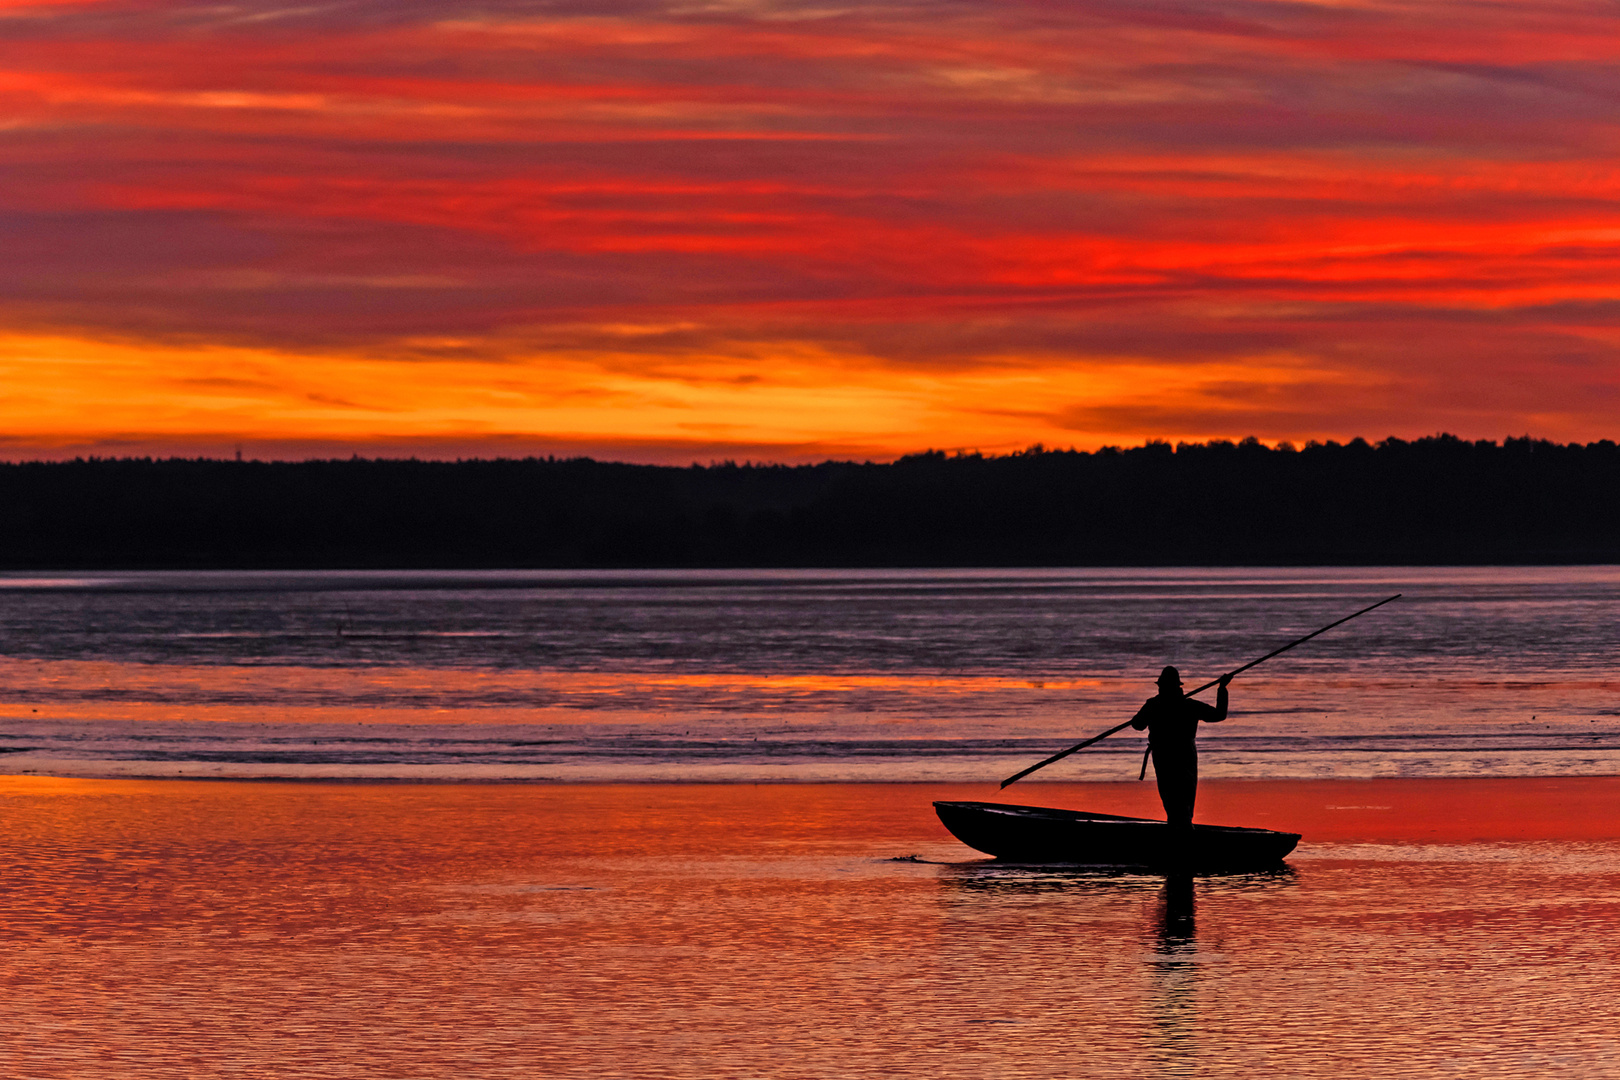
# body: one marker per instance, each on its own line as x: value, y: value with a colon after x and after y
x: 1426, y: 928
x: 800, y: 675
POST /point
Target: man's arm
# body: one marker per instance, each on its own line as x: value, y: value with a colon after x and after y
x: 1140, y: 720
x: 1220, y: 702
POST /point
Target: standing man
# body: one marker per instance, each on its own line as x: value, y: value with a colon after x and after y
x: 1171, y: 720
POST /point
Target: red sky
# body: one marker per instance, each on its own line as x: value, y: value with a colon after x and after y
x: 749, y: 229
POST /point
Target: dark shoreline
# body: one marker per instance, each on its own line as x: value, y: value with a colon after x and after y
x: 1433, y: 502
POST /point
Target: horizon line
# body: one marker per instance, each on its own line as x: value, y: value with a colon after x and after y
x: 1250, y: 442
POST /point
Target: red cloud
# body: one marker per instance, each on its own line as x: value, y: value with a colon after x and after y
x: 1417, y: 202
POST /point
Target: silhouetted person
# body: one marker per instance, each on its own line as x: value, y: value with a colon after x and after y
x: 1171, y: 720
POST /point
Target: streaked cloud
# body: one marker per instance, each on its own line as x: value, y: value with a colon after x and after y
x: 798, y: 229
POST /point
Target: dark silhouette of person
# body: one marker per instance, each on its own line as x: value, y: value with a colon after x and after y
x: 1171, y: 720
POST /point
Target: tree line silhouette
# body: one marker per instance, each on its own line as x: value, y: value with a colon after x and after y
x: 1433, y: 500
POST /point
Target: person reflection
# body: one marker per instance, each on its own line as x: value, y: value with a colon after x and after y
x: 1174, y: 965
x: 1178, y: 922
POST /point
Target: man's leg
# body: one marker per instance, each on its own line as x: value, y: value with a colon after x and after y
x: 1178, y: 788
x: 1190, y: 792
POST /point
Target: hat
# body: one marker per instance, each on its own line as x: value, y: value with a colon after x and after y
x: 1169, y: 677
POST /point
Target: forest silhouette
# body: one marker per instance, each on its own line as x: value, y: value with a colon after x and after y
x: 1435, y: 500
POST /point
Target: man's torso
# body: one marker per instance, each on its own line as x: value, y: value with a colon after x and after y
x: 1172, y: 723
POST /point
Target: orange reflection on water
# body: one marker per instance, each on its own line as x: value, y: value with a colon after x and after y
x: 93, y: 689
x: 172, y: 929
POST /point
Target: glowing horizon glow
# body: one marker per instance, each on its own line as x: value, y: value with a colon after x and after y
x: 780, y: 232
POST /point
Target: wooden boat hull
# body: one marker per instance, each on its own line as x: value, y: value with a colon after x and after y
x: 1033, y: 834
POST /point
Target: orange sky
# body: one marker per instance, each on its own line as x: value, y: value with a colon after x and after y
x: 668, y: 232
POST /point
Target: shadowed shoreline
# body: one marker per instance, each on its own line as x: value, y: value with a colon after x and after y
x: 1435, y: 501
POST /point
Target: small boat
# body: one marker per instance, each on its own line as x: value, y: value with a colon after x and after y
x: 1034, y: 834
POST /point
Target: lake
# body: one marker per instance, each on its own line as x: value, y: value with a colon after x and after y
x: 800, y: 675
x: 175, y: 929
x: 1453, y: 909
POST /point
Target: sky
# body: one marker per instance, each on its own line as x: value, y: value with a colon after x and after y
x: 760, y: 230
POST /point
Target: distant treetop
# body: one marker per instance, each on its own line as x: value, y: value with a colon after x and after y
x: 1439, y: 499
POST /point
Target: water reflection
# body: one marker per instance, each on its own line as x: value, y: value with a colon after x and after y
x: 996, y: 876
x: 1174, y: 968
x: 802, y: 675
x: 1178, y: 923
x: 726, y: 932
x: 1153, y: 951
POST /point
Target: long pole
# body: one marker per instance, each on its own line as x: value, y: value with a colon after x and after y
x: 1015, y: 777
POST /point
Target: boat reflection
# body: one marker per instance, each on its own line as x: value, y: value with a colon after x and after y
x: 995, y: 875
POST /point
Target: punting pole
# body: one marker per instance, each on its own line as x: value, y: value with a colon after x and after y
x: 1060, y: 755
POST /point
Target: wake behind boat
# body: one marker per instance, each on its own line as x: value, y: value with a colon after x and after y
x: 1034, y: 834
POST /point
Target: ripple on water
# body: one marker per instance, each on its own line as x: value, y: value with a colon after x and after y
x: 211, y: 930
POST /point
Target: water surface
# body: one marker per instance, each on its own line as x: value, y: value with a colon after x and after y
x: 1425, y: 928
x: 800, y: 675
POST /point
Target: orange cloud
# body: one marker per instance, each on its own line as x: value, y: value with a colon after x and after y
x: 648, y: 230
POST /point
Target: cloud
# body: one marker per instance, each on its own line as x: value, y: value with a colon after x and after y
x: 899, y: 205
